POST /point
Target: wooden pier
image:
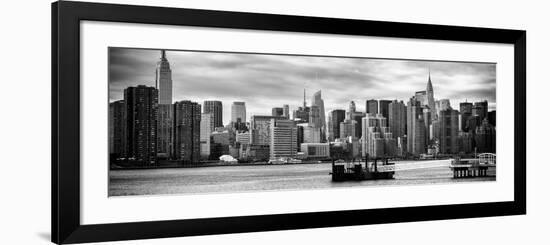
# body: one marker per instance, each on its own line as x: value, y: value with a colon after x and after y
x: 474, y: 167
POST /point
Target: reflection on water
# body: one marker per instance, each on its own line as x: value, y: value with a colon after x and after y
x: 256, y: 178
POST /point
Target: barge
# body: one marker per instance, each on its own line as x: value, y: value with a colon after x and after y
x: 362, y: 170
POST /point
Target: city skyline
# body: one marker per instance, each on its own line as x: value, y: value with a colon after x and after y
x: 200, y: 76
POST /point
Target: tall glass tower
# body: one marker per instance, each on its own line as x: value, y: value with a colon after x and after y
x: 316, y: 100
x: 163, y: 80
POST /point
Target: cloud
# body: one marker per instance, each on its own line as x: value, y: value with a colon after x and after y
x: 265, y: 81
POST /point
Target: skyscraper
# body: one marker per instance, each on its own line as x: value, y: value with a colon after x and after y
x: 310, y: 134
x: 164, y: 135
x: 238, y: 110
x: 214, y: 107
x: 286, y: 111
x: 397, y: 119
x: 163, y: 78
x: 416, y: 128
x: 465, y: 113
x: 448, y: 131
x: 283, y: 139
x: 430, y: 102
x: 384, y: 108
x: 492, y: 117
x: 317, y: 101
x: 141, y: 124
x: 301, y: 115
x: 206, y: 129
x: 485, y: 137
x: 277, y: 111
x: 315, y: 119
x: 335, y: 118
x: 117, y: 129
x: 421, y: 97
x: 372, y: 107
x: 354, y: 115
x: 351, y: 108
x: 347, y: 128
x: 442, y: 104
x: 187, y: 119
x: 260, y: 129
x: 480, y: 109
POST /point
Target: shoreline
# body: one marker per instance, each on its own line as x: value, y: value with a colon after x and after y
x: 220, y: 164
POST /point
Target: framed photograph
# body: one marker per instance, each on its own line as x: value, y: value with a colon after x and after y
x: 174, y: 122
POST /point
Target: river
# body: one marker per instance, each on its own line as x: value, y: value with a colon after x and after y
x: 258, y: 178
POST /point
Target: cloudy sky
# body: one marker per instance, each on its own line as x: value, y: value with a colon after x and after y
x: 266, y: 81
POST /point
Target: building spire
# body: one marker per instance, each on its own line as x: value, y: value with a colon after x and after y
x: 163, y: 54
x: 304, y: 97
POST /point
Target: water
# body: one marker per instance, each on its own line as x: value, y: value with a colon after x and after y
x: 233, y: 179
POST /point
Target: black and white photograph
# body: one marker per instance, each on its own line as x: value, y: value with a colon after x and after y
x: 196, y: 122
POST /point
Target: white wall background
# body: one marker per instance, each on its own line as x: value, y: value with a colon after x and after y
x: 25, y: 121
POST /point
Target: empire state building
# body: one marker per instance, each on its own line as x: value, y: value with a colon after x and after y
x: 163, y: 80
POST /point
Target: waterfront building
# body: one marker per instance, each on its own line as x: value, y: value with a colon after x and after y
x: 401, y: 146
x: 283, y: 139
x: 416, y: 128
x: 335, y: 118
x: 260, y: 129
x: 165, y: 122
x: 465, y: 142
x: 377, y: 139
x: 372, y: 107
x: 222, y: 139
x: 315, y: 150
x: 485, y: 137
x: 206, y: 129
x: 187, y: 140
x: 141, y: 124
x: 238, y: 112
x: 254, y: 153
x: 163, y: 80
x: 277, y: 111
x: 117, y: 129
x: 215, y: 107
x: 354, y: 146
x: 397, y: 118
x: 447, y: 126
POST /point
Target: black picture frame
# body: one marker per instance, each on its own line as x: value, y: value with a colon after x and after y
x: 66, y: 18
